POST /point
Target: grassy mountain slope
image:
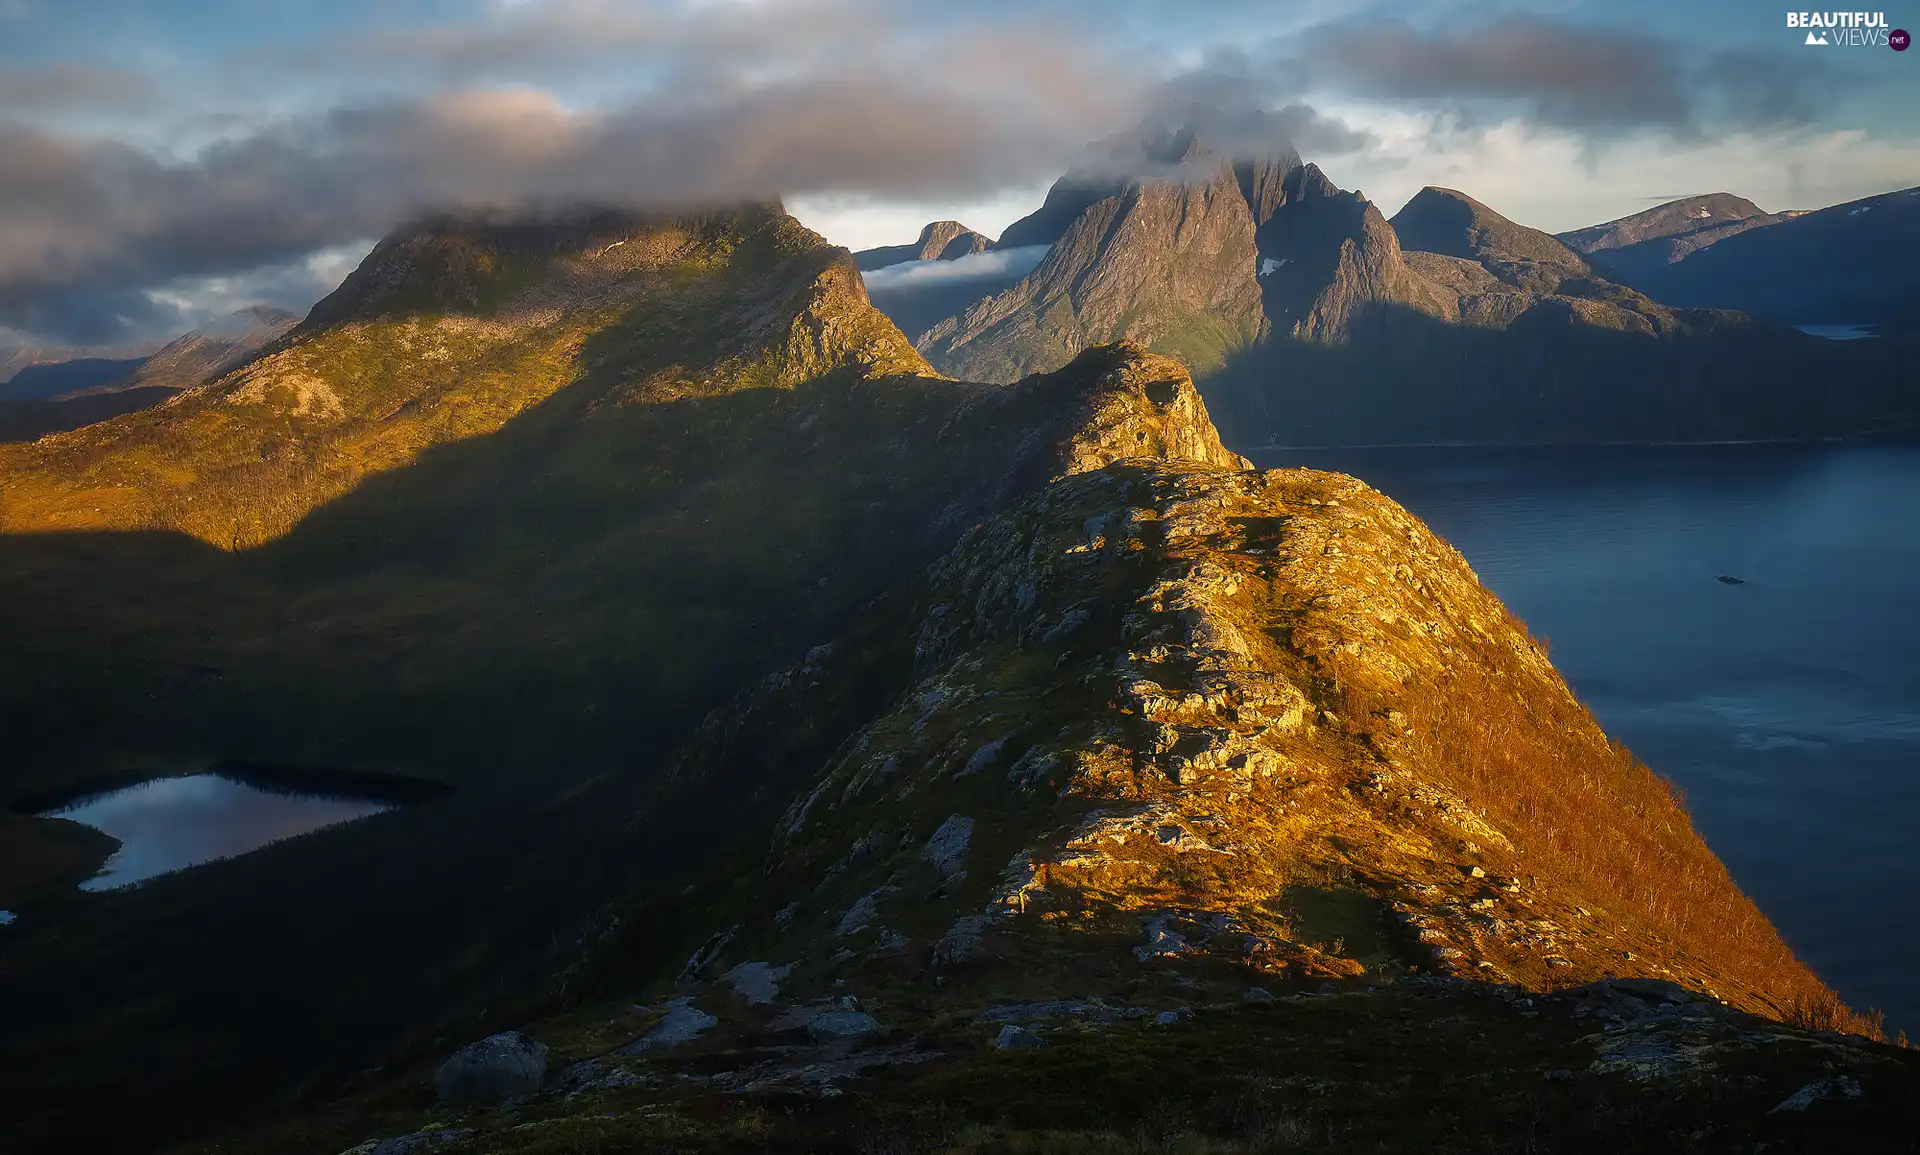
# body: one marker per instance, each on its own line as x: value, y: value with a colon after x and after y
x: 444, y: 334
x: 1241, y: 795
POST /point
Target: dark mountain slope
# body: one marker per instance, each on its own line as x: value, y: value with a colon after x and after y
x: 49, y: 381
x: 1496, y: 332
x: 1677, y: 219
x: 1638, y: 247
x: 1854, y: 263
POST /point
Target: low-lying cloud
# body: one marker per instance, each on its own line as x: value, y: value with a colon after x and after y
x: 996, y: 264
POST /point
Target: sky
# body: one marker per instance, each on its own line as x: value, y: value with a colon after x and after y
x: 164, y: 163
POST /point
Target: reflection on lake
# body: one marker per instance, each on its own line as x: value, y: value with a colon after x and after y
x: 170, y: 823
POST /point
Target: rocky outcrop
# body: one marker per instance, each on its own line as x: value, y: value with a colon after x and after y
x: 1153, y: 240
x: 495, y: 1068
x: 1168, y: 261
x: 939, y: 241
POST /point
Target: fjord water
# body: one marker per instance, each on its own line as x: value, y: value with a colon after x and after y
x: 1788, y: 707
x: 166, y: 824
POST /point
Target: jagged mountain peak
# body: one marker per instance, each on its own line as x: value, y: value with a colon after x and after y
x: 1189, y: 146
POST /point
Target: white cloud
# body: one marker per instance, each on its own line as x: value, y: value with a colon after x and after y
x: 972, y: 267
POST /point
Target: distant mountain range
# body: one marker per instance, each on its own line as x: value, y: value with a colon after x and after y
x: 1309, y: 318
x: 1856, y: 263
x: 59, y: 395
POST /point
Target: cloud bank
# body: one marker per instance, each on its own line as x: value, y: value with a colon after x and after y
x: 112, y: 237
x: 998, y: 263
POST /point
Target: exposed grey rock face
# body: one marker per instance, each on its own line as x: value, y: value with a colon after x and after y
x: 946, y: 851
x: 836, y: 1025
x: 495, y: 1068
x: 758, y: 982
x: 1155, y: 243
x: 682, y: 1022
x: 860, y: 915
x: 963, y: 940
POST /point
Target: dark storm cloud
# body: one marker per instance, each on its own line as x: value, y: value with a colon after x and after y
x: 1547, y: 72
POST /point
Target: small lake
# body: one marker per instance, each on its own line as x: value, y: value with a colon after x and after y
x: 167, y: 824
x: 1787, y: 706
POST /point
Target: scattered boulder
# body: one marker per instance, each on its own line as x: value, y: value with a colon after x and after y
x: 682, y: 1022
x: 1820, y: 1090
x: 836, y: 1025
x: 1013, y: 1038
x: 757, y: 982
x: 495, y: 1068
x: 982, y: 758
x: 860, y: 915
x: 1256, y: 995
x: 1173, y: 1017
x: 946, y: 851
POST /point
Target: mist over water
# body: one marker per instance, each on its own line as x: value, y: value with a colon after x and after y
x: 1788, y: 707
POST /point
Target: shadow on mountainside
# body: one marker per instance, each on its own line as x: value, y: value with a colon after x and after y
x: 1408, y: 378
x: 533, y: 616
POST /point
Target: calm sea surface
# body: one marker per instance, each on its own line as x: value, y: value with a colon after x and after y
x: 1788, y: 706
